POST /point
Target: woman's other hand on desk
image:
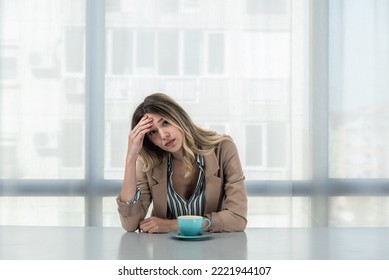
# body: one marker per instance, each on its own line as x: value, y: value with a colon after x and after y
x: 158, y: 225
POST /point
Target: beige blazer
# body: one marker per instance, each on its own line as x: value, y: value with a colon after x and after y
x: 225, y: 192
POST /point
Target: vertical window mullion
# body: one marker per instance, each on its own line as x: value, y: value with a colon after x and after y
x: 94, y: 103
x: 319, y: 90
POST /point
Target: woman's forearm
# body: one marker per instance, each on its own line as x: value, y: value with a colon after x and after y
x: 129, y: 182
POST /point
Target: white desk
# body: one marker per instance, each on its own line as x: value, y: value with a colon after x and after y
x: 76, y: 243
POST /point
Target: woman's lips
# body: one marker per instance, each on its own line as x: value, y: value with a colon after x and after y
x: 169, y: 143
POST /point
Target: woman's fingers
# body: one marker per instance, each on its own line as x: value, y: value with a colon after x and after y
x: 142, y: 127
x: 157, y: 225
x: 137, y: 134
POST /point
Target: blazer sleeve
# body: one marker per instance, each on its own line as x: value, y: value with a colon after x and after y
x: 131, y: 215
x: 232, y: 215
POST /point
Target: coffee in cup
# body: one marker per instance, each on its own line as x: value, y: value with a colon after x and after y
x: 192, y: 225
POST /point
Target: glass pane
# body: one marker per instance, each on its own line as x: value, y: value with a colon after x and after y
x: 278, y: 212
x: 72, y: 135
x: 237, y: 70
x: 110, y: 213
x: 169, y: 6
x: 267, y: 54
x: 8, y: 70
x: 364, y: 211
x: 277, y: 138
x: 359, y: 99
x: 42, y: 211
x: 117, y: 148
x: 266, y: 7
x: 145, y: 50
x: 122, y: 42
x: 112, y: 5
x: 42, y: 91
x: 168, y: 53
x: 192, y: 52
x: 74, y: 50
x: 216, y: 54
x: 254, y: 145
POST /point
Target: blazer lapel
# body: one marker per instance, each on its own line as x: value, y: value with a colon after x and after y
x: 213, y: 183
x: 159, y: 190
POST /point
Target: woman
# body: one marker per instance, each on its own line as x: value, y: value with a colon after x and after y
x: 182, y: 169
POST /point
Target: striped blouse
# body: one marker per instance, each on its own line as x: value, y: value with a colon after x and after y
x: 178, y: 205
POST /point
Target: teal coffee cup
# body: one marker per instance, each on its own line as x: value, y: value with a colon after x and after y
x: 192, y: 225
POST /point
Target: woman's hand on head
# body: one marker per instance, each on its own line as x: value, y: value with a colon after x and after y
x: 136, y: 136
x: 158, y: 225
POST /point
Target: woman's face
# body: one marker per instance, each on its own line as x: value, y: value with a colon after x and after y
x: 165, y: 135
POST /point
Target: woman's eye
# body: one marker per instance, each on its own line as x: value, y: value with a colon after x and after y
x: 151, y: 133
x: 165, y: 123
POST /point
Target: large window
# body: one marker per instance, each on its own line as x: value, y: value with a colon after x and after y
x: 300, y: 85
x: 42, y: 114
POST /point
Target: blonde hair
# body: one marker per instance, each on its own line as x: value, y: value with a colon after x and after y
x: 195, y: 138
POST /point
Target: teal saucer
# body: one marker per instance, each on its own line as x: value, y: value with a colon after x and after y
x: 179, y: 235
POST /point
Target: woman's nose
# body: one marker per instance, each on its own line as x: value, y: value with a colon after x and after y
x: 164, y: 133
